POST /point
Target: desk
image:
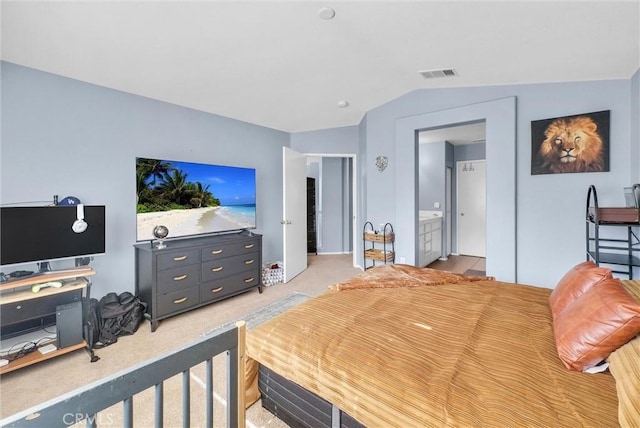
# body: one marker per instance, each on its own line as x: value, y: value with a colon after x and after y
x: 20, y: 308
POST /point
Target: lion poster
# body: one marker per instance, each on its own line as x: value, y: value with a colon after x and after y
x: 578, y: 143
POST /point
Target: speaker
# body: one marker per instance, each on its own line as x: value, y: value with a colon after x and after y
x: 69, y: 324
x: 79, y: 225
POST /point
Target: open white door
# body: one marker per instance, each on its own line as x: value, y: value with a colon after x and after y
x: 294, y: 210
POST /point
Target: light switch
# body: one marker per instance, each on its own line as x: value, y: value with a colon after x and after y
x: 436, y: 205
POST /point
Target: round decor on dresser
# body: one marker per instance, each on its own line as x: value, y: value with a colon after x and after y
x: 160, y: 232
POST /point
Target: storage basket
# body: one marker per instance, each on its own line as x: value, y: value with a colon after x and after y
x: 272, y: 275
x: 378, y: 237
x: 379, y: 255
x: 615, y: 215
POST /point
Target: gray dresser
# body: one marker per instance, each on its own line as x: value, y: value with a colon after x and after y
x: 196, y: 271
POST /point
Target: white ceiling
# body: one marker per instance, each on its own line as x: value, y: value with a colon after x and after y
x: 277, y: 64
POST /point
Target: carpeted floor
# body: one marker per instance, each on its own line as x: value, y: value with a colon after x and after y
x: 24, y: 388
x: 265, y: 313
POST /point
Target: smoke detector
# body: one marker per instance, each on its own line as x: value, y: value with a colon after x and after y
x: 443, y: 72
x: 326, y: 13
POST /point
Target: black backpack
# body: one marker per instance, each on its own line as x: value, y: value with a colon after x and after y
x: 94, y: 323
x: 113, y: 316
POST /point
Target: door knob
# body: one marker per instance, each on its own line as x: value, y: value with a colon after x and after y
x: 462, y: 214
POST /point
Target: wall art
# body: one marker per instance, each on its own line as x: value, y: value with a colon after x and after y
x: 578, y: 143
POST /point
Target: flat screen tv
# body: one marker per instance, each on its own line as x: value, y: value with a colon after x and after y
x: 193, y: 198
x: 41, y: 234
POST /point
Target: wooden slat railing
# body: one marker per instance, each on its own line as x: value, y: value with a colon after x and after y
x: 85, y: 403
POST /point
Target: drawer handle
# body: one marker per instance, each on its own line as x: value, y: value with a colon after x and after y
x: 249, y: 246
x: 179, y: 258
x: 180, y: 278
x: 182, y: 300
x: 248, y: 280
x: 216, y: 251
x: 248, y: 262
x: 217, y: 290
x: 217, y: 269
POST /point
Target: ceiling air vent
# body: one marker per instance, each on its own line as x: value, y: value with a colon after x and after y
x: 445, y: 72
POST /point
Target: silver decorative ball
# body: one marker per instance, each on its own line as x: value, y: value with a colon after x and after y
x: 160, y: 232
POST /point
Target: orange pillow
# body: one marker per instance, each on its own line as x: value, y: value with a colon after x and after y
x: 597, y: 323
x: 574, y: 283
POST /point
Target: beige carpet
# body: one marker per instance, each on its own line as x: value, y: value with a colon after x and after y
x: 35, y: 384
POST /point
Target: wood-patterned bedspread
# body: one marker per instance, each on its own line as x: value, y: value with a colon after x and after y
x: 455, y: 354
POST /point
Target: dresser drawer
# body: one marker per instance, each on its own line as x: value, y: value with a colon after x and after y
x: 221, y: 268
x: 227, y: 249
x: 178, y: 278
x: 34, y: 308
x: 178, y: 258
x: 178, y: 301
x: 215, y: 290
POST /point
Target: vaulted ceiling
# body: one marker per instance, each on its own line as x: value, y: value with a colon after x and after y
x: 282, y: 65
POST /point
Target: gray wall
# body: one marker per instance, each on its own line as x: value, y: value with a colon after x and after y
x: 64, y: 137
x: 332, y: 194
x: 431, y: 175
x: 635, y: 126
x: 546, y: 247
x: 432, y: 163
x: 343, y: 140
x: 467, y: 152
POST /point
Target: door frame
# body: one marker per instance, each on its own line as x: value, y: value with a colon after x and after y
x: 354, y: 195
x: 500, y: 116
x: 448, y: 212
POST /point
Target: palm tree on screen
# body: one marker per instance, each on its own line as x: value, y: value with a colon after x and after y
x: 174, y: 185
x: 153, y: 168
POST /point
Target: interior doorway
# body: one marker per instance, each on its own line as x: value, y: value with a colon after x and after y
x: 336, y: 208
x: 294, y: 220
x: 450, y: 144
x: 500, y: 117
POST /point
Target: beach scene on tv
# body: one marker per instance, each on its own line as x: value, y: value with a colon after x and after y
x: 193, y: 198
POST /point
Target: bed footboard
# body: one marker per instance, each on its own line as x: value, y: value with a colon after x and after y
x: 85, y: 403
